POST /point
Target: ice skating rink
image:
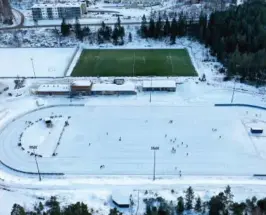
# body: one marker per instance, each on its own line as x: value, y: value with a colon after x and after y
x: 117, y: 140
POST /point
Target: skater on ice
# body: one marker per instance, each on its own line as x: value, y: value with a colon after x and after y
x: 173, y: 150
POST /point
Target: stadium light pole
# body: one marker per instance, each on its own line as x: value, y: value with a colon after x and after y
x: 151, y: 89
x: 37, y: 163
x: 233, y: 94
x: 33, y: 68
x: 154, y: 148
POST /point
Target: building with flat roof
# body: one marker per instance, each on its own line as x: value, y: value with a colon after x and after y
x: 121, y: 199
x: 132, y: 3
x: 81, y: 87
x: 159, y: 85
x: 53, y: 89
x: 58, y: 10
x: 127, y: 88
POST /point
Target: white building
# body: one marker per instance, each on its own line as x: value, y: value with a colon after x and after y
x: 159, y: 85
x: 58, y: 10
x: 53, y: 89
x: 136, y: 2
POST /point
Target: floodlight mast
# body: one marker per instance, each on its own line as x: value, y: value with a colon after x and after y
x: 154, y: 148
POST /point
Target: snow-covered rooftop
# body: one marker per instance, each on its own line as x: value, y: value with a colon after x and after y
x: 53, y: 88
x: 81, y: 83
x: 56, y: 5
x: 120, y: 197
x: 159, y: 84
x: 128, y: 86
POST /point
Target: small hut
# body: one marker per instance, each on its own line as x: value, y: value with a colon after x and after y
x: 48, y: 122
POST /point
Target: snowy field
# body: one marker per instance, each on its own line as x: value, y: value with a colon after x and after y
x: 47, y: 62
x: 119, y: 138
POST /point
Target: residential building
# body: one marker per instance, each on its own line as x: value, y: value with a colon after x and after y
x: 58, y: 10
x: 144, y: 3
x: 132, y: 3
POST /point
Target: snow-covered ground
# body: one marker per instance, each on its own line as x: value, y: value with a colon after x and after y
x: 45, y: 62
x: 211, y: 164
x: 120, y: 138
x: 191, y: 103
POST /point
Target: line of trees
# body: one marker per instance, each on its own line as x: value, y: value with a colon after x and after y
x: 52, y: 207
x: 107, y: 34
x: 237, y: 37
x: 104, y: 34
x: 164, y: 28
x: 221, y: 204
x: 79, y: 32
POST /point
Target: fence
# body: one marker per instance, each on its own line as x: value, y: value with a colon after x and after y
x: 240, y: 105
x: 71, y: 60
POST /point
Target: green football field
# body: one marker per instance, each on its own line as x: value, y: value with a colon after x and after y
x: 131, y: 62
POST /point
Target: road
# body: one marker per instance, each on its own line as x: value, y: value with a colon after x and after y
x: 20, y: 25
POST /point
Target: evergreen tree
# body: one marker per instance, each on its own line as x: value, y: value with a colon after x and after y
x: 130, y: 37
x: 166, y: 28
x: 53, y: 206
x: 118, y: 21
x: 115, y: 35
x: 114, y: 211
x: 228, y: 195
x: 65, y: 29
x: 180, y: 205
x: 238, y: 209
x: 217, y: 205
x: 198, y: 206
x: 78, y: 208
x: 121, y: 32
x: 189, y: 198
x: 173, y: 31
x: 78, y: 31
x: 144, y: 28
x: 251, y: 204
x: 86, y: 31
x: 151, y: 30
x: 17, y: 210
x: 104, y: 33
x: 182, y: 26
x: 148, y: 210
x: 202, y: 26
x: 159, y: 28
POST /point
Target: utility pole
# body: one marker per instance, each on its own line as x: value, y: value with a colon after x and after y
x: 34, y: 147
x: 233, y: 94
x: 154, y: 148
x: 151, y: 89
x: 33, y: 69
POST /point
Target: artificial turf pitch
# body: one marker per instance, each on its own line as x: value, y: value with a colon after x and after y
x: 132, y: 62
